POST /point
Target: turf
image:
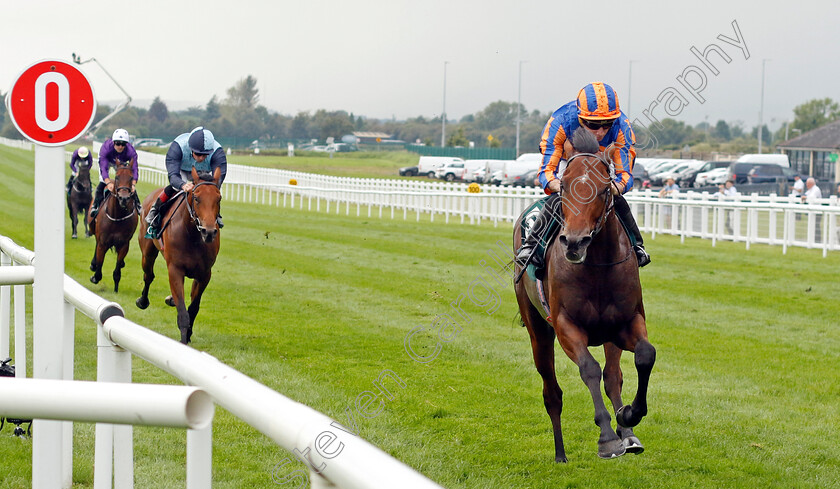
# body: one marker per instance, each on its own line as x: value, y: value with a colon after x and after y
x: 317, y: 306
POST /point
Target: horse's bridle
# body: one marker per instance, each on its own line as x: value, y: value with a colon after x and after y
x: 190, y: 197
x: 609, y: 202
x: 131, y: 193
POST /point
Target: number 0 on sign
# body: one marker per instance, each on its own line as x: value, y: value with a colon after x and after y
x: 51, y: 103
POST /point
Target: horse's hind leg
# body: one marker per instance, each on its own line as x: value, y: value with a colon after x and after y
x: 121, y: 254
x: 149, y: 253
x: 574, y: 343
x: 542, y: 346
x: 613, y: 382
x: 644, y: 358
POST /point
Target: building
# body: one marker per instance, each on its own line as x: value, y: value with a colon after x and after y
x: 815, y: 152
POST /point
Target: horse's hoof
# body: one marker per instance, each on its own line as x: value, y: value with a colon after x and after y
x: 561, y: 459
x: 94, y: 280
x: 74, y: 236
x: 611, y: 449
x: 169, y: 302
x: 92, y: 267
x: 142, y: 302
x: 624, y: 417
x: 633, y: 445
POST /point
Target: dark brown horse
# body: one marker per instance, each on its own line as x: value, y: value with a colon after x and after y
x: 79, y: 197
x: 592, y: 289
x: 189, y: 243
x: 115, y: 223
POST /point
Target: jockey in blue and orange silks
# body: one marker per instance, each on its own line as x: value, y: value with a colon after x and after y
x: 597, y: 110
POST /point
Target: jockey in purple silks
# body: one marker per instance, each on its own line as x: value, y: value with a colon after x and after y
x: 112, y: 149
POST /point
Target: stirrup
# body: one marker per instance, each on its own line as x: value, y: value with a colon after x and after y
x: 151, y: 233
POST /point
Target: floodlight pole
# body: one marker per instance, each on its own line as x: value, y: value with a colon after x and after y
x: 518, y: 106
x: 761, y: 109
x: 443, y: 114
x: 78, y: 61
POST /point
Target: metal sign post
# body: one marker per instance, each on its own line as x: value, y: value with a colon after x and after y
x: 51, y: 103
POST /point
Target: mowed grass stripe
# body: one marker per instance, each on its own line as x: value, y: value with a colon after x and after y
x: 743, y: 393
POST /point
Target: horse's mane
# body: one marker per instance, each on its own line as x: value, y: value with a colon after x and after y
x: 584, y: 141
x: 205, y: 176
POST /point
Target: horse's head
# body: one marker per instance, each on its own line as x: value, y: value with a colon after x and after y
x: 204, y: 203
x: 586, y: 196
x: 122, y: 184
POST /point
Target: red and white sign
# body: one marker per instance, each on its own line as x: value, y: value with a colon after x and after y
x: 52, y: 103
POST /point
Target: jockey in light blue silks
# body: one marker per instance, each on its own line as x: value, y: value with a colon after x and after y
x: 195, y: 149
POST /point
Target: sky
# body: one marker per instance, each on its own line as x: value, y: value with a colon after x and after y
x: 396, y: 58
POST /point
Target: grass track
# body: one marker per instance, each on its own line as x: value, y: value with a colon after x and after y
x: 744, y: 392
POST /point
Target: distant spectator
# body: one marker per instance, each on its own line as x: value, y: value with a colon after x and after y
x: 812, y: 192
x: 670, y: 188
x: 811, y: 196
x: 798, y: 186
x: 727, y: 189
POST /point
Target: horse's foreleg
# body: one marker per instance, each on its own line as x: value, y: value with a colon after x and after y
x: 74, y: 217
x: 574, y: 343
x: 149, y: 253
x: 613, y: 382
x: 84, y: 223
x: 96, y: 262
x: 645, y: 357
x: 121, y: 253
x: 176, y: 288
x: 198, y: 288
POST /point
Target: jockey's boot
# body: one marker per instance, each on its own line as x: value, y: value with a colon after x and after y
x: 97, y: 201
x: 153, y: 221
x: 525, y: 253
x: 622, y: 209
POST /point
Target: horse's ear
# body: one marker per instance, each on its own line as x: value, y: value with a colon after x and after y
x: 217, y: 175
x: 195, y: 175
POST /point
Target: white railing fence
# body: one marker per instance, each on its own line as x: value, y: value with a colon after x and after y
x: 336, y: 461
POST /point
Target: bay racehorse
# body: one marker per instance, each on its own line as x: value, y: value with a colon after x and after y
x: 189, y: 242
x: 591, y: 286
x: 115, y: 223
x: 79, y: 197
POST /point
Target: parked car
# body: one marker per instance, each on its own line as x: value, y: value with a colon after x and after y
x: 771, y: 174
x: 428, y: 164
x: 677, y: 172
x: 514, y: 170
x: 451, y: 172
x: 689, y: 178
x: 529, y: 179
x: 768, y: 158
x: 409, y: 171
x: 711, y: 177
x: 739, y: 171
x: 640, y: 176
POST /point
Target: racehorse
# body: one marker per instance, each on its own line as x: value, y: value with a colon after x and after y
x: 591, y: 286
x: 115, y: 223
x: 79, y: 197
x: 189, y: 241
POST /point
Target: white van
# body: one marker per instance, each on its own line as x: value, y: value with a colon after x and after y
x: 428, y: 164
x: 767, y: 159
x: 475, y: 168
x: 492, y: 167
x: 515, y: 170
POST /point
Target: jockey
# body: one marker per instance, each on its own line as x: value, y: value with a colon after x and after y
x: 112, y: 149
x: 195, y: 149
x: 596, y: 109
x: 81, y: 156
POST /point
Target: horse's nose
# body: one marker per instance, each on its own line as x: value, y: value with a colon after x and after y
x: 208, y: 234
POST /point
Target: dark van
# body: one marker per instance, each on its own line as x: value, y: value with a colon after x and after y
x: 740, y: 172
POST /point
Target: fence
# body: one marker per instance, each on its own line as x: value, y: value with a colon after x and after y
x: 291, y: 425
x: 771, y: 219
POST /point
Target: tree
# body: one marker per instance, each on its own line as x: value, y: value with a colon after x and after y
x: 457, y: 138
x: 244, y: 94
x: 722, y: 131
x: 212, y: 109
x: 815, y: 113
x: 497, y: 114
x: 158, y: 110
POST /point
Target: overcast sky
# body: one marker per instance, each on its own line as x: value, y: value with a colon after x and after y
x: 383, y: 59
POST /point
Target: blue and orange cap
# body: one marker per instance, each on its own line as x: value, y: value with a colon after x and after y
x: 598, y: 101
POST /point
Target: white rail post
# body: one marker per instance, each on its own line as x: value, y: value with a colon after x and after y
x: 123, y: 434
x: 48, y: 317
x: 104, y: 444
x: 200, y: 458
x: 5, y: 309
x: 20, y: 331
x: 69, y: 347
